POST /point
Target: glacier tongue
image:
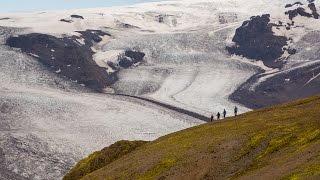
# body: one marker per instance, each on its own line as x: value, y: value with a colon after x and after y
x: 187, y: 70
x: 47, y: 122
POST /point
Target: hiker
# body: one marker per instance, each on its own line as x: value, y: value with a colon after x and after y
x: 211, y: 119
x: 218, y: 116
x: 224, y: 113
x: 235, y: 111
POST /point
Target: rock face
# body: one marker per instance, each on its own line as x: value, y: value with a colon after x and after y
x: 77, y: 16
x: 313, y: 8
x: 301, y: 11
x: 6, y: 18
x: 72, y: 57
x: 130, y: 57
x: 283, y: 87
x: 71, y: 18
x: 256, y: 40
x: 92, y: 36
x: 125, y: 25
x: 290, y: 5
x: 66, y: 20
x: 67, y: 56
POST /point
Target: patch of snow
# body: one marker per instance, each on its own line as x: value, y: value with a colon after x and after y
x: 102, y: 58
x: 257, y: 63
x: 274, y: 72
x: 58, y: 71
x: 34, y: 55
x: 81, y: 41
x: 311, y: 79
x: 285, y: 55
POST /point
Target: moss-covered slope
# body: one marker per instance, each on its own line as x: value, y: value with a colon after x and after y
x: 281, y: 142
x: 102, y: 158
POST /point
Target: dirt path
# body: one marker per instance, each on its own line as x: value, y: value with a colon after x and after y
x: 167, y: 106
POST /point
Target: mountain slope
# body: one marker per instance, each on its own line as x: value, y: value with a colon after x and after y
x: 99, y: 159
x: 166, y: 65
x: 278, y: 142
x: 231, y: 53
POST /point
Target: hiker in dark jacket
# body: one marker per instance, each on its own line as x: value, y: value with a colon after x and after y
x: 224, y: 113
x: 218, y: 116
x: 211, y: 119
x: 235, y: 111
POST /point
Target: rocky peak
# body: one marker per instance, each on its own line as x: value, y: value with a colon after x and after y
x: 300, y: 10
x: 256, y: 40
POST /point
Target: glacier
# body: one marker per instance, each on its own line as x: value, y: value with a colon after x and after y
x: 48, y: 121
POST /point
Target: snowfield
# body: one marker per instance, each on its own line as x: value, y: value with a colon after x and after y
x: 48, y: 123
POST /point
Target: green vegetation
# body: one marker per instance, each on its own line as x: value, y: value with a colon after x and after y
x: 311, y: 171
x: 164, y: 165
x: 102, y: 158
x: 280, y: 142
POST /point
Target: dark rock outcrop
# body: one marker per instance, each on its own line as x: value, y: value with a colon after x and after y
x: 130, y: 57
x: 77, y: 16
x: 92, y: 36
x: 301, y: 11
x: 66, y: 57
x: 69, y: 20
x: 127, y: 26
x: 72, y: 57
x: 256, y: 40
x: 160, y: 18
x: 281, y: 88
x: 66, y: 20
x: 313, y: 8
x: 6, y: 18
x: 290, y: 5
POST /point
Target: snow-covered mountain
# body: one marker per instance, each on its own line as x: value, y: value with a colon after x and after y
x: 75, y: 81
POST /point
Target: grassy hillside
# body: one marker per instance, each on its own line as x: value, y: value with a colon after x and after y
x: 280, y: 142
x: 101, y: 158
